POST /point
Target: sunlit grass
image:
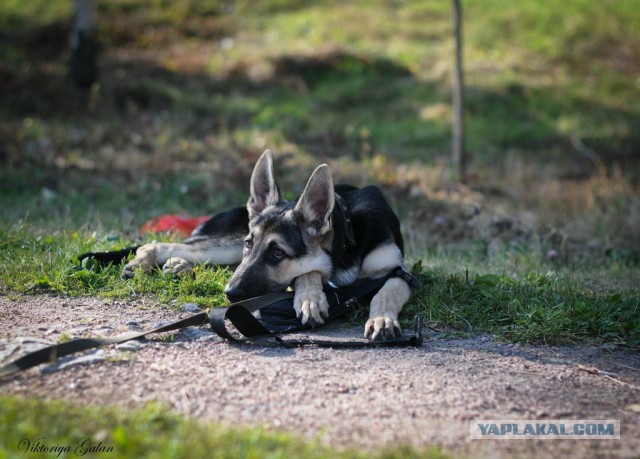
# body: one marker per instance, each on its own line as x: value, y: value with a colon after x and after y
x: 151, y: 432
x: 191, y: 93
x: 470, y: 292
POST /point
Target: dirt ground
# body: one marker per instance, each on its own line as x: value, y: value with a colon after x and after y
x: 365, y: 398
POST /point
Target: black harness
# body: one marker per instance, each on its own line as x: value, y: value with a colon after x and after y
x: 276, y: 316
x: 343, y: 210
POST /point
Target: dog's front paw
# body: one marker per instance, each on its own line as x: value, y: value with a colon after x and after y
x: 382, y: 328
x: 310, y: 302
x: 145, y: 260
x: 311, y: 306
x: 178, y: 266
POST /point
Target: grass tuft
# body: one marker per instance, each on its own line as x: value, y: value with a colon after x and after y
x: 534, y: 308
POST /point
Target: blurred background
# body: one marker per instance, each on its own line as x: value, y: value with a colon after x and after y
x: 187, y: 94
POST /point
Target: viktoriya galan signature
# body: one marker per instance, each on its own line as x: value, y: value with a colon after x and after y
x: 82, y: 447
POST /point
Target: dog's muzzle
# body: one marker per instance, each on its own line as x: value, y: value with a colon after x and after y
x: 234, y: 294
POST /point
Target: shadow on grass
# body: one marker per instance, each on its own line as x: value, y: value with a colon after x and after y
x: 166, y: 134
x: 330, y: 103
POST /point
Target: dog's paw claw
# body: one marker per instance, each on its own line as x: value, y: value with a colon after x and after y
x: 145, y: 260
x: 312, y: 310
x: 177, y: 266
x: 382, y: 329
x: 127, y: 272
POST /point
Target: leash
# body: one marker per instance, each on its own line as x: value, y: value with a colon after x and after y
x: 52, y: 353
x: 277, y: 316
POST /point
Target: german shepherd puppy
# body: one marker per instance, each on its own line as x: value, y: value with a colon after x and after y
x: 330, y: 234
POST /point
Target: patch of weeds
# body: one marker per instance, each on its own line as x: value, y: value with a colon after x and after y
x: 64, y: 338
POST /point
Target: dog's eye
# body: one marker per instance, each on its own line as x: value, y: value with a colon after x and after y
x: 248, y: 243
x: 277, y: 253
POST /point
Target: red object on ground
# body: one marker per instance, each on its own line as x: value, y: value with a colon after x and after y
x: 174, y: 223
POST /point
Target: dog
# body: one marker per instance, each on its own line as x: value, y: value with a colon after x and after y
x: 330, y: 235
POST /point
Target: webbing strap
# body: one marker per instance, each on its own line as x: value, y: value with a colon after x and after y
x: 52, y: 353
x: 240, y: 315
x: 413, y: 340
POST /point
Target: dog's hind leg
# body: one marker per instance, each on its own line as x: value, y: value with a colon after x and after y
x: 179, y: 258
x: 218, y: 241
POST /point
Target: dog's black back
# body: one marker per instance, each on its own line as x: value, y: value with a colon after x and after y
x: 373, y: 224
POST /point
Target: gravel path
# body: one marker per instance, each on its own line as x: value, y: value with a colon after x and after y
x: 368, y: 398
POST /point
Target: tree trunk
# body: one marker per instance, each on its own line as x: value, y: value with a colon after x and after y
x: 459, y: 155
x: 83, y: 46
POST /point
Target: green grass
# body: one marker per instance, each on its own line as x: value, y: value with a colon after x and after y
x: 34, y: 262
x: 535, y: 74
x: 192, y: 91
x: 321, y: 82
x: 464, y: 295
x: 535, y: 308
x: 151, y: 432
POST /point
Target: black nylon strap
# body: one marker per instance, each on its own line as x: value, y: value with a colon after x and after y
x: 413, y: 340
x: 50, y: 354
x: 240, y: 315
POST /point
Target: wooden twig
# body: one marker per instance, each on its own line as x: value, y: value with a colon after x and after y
x: 606, y: 374
x: 627, y: 367
x: 596, y: 371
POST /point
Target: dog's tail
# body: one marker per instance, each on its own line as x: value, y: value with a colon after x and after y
x: 112, y: 257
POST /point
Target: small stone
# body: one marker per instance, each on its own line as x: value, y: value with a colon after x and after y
x: 130, y: 346
x: 132, y: 324
x: 94, y: 357
x: 28, y: 340
x: 190, y: 307
x: 192, y: 334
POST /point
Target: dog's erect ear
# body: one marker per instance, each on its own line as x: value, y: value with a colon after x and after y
x: 315, y: 206
x: 264, y: 187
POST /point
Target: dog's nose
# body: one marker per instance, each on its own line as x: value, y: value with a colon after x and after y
x: 234, y: 293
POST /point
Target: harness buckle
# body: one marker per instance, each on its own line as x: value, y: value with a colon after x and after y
x: 352, y: 302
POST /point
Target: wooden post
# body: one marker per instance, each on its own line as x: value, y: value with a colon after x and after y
x: 458, y: 152
x: 83, y: 45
